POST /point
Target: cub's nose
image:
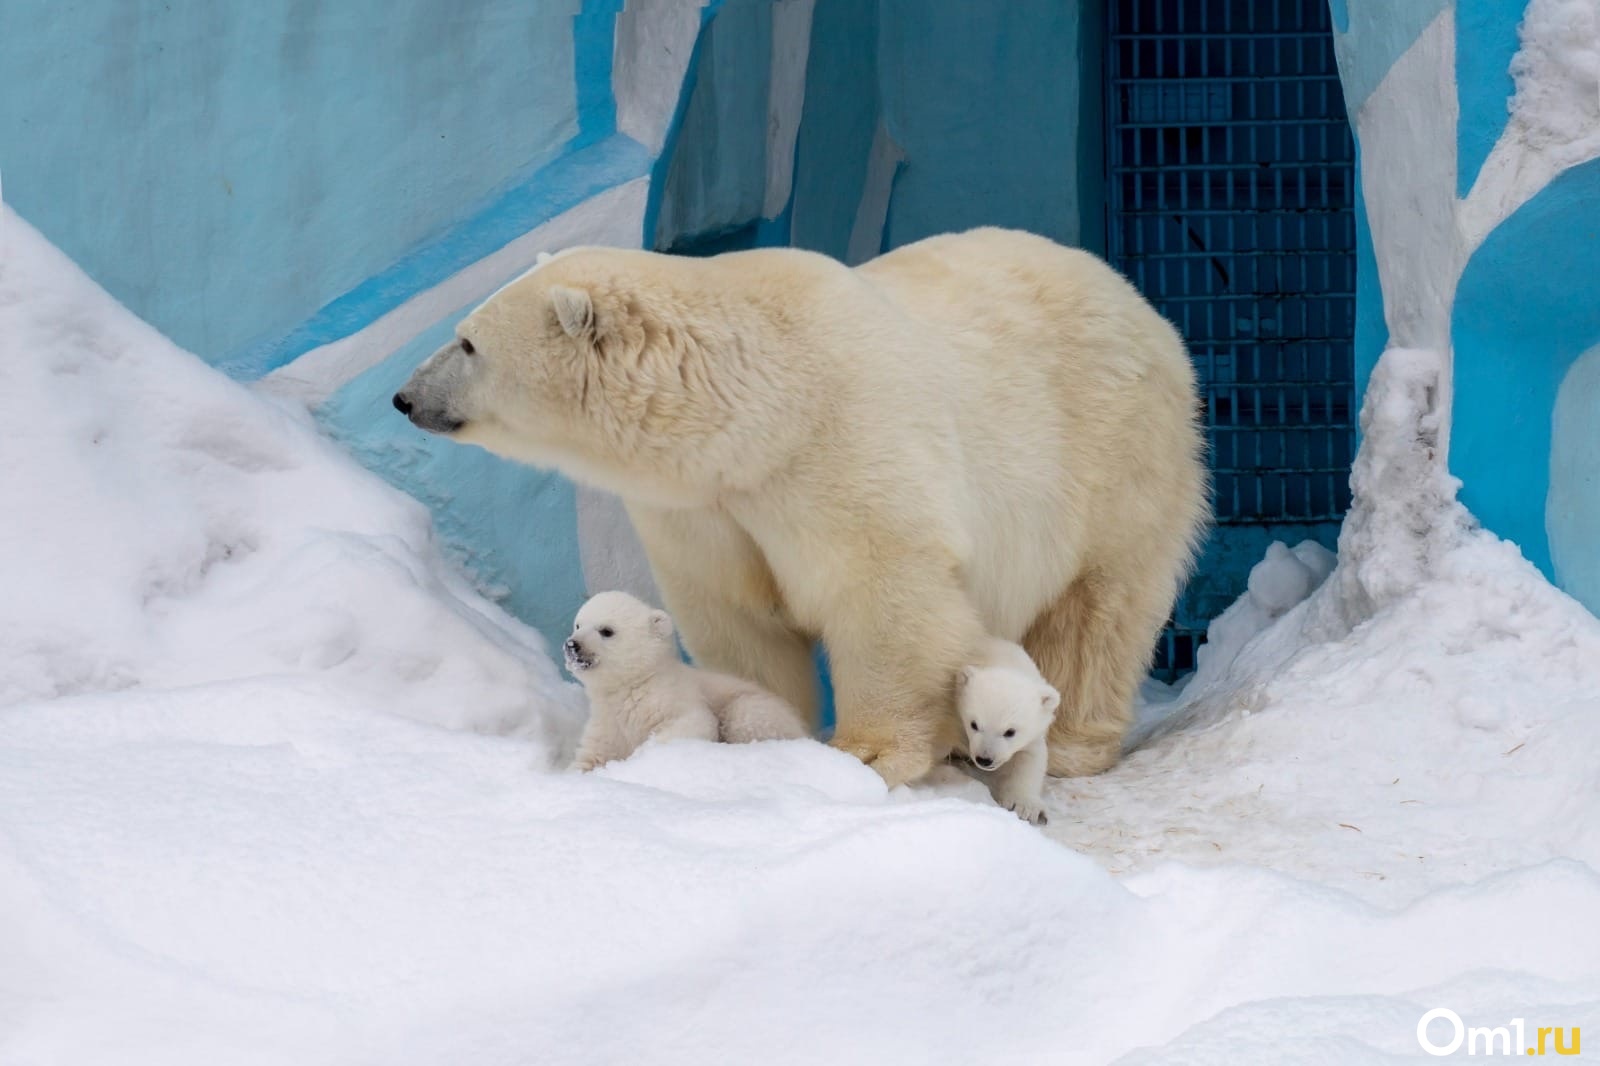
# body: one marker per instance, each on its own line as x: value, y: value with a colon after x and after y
x: 573, y: 646
x: 402, y: 404
x: 983, y: 761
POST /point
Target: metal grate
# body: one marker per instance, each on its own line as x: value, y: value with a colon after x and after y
x: 1229, y: 204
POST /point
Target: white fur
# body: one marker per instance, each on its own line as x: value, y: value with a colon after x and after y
x: 977, y: 433
x: 1005, y: 707
x: 625, y: 655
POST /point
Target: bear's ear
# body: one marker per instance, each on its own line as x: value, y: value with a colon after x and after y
x: 964, y: 677
x: 1049, y: 699
x: 542, y: 258
x: 574, y: 310
x: 661, y: 624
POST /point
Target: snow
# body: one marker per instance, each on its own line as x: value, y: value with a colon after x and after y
x: 1557, y: 77
x: 277, y: 787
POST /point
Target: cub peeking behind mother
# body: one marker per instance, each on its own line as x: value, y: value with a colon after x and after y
x: 978, y: 434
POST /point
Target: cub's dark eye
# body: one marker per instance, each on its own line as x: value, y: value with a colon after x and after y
x: 467, y: 347
x: 607, y: 632
x: 974, y: 726
x: 1009, y: 733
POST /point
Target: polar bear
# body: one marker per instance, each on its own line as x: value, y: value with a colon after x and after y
x: 1005, y: 707
x: 624, y: 654
x: 978, y: 433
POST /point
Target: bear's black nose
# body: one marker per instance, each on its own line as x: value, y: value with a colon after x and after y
x: 402, y: 404
x: 983, y: 761
x: 573, y: 646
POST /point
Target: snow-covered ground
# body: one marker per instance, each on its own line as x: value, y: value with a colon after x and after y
x: 276, y: 786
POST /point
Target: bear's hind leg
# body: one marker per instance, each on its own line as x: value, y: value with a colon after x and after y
x: 1094, y: 645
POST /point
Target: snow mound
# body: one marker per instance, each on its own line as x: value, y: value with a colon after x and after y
x: 232, y: 829
x: 1557, y: 76
x: 1426, y: 718
x: 166, y: 527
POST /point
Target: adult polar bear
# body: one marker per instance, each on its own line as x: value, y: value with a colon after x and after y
x: 979, y: 433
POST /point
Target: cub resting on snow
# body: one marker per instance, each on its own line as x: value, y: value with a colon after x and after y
x: 624, y: 654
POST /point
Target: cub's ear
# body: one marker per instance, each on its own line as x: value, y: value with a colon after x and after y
x: 964, y: 677
x: 1049, y: 699
x: 574, y: 310
x: 661, y: 624
x: 542, y: 258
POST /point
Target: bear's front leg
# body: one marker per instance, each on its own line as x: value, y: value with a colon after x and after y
x: 1019, y: 785
x: 895, y: 655
x: 725, y: 602
x: 599, y: 744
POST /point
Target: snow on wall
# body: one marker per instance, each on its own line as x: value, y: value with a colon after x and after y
x: 1479, y: 136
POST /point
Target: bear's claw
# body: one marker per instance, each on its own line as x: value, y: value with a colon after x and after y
x: 1030, y: 813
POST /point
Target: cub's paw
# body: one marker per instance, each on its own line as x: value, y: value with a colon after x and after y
x: 1030, y: 811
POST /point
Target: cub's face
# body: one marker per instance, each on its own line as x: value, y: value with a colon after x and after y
x: 1002, y: 712
x: 617, y: 637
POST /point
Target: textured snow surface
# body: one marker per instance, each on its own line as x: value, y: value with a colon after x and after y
x: 1557, y: 76
x: 277, y: 787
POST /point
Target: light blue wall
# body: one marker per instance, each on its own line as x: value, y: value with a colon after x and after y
x: 226, y: 169
x: 1486, y: 39
x: 716, y: 178
x: 1572, y: 508
x: 1525, y: 326
x: 841, y: 115
x: 984, y: 99
x: 995, y: 107
x: 1525, y: 311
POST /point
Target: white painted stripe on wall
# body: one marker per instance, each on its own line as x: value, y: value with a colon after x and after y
x: 786, y: 95
x: 872, y: 213
x: 614, y: 218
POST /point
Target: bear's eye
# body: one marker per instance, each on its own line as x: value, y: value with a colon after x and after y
x: 607, y: 632
x: 974, y: 726
x: 1009, y: 733
x: 467, y: 347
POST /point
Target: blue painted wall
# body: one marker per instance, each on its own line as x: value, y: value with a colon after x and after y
x: 984, y: 100
x: 996, y: 107
x: 715, y: 180
x: 841, y: 115
x: 260, y: 179
x: 1525, y: 311
x: 1524, y: 325
x: 228, y: 169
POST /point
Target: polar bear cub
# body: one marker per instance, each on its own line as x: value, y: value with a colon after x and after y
x: 1006, y: 708
x: 624, y: 654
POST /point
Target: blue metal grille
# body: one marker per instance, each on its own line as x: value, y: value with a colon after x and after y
x: 1229, y: 204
